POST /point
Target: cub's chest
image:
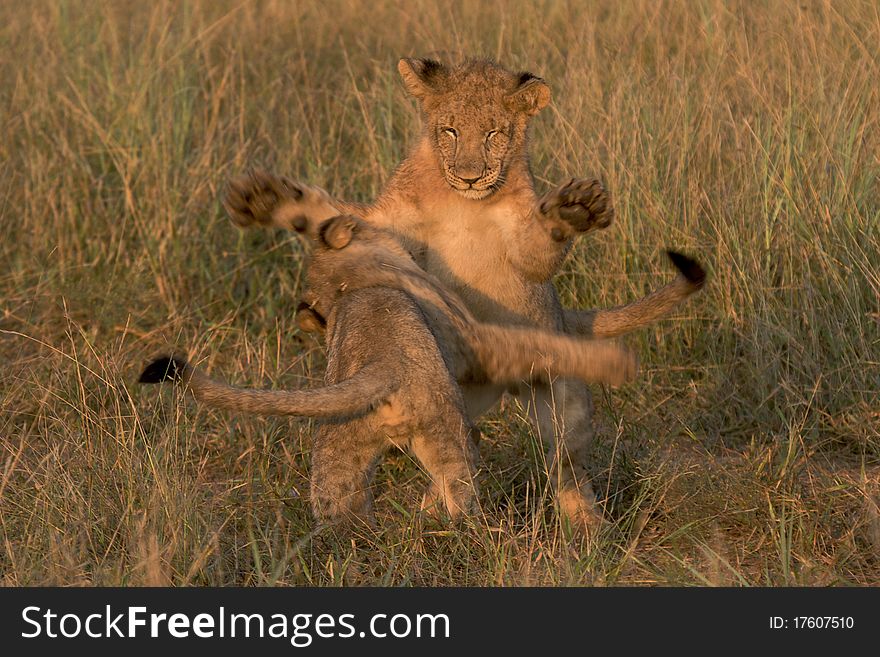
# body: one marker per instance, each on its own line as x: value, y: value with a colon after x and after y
x: 467, y: 239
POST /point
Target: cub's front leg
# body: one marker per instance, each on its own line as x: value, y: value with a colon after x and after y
x: 544, y: 234
x: 578, y: 206
x: 262, y: 198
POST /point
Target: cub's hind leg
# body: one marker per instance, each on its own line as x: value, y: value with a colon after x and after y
x: 448, y: 452
x: 563, y: 415
x: 344, y: 458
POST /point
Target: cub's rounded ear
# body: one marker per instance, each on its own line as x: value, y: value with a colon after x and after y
x: 422, y: 77
x: 337, y: 233
x: 531, y: 95
x: 308, y: 319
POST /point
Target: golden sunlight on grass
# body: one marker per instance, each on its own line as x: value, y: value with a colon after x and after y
x: 745, y: 133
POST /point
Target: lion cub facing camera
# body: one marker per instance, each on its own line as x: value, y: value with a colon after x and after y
x: 398, y: 345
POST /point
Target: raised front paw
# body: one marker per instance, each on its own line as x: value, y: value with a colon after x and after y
x: 255, y: 197
x: 576, y: 207
x: 627, y: 369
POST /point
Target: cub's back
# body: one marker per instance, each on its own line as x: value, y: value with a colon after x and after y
x: 382, y: 324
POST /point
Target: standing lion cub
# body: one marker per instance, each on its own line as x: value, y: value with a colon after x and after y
x: 463, y: 204
x: 398, y: 345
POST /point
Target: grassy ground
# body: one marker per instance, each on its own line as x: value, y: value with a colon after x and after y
x: 747, y: 133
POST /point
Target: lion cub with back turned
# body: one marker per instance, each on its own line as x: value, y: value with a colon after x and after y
x: 398, y: 345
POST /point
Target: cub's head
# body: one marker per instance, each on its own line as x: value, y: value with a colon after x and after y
x: 475, y: 115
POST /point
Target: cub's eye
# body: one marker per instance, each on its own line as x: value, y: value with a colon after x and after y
x: 450, y: 131
x: 491, y: 134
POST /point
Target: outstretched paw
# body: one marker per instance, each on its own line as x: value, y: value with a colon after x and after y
x: 576, y: 207
x: 255, y: 197
x: 622, y: 363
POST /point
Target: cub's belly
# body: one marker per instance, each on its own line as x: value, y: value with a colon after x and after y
x: 463, y: 246
x: 493, y: 290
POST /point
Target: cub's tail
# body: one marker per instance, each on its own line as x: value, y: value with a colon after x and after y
x: 353, y: 396
x: 611, y: 322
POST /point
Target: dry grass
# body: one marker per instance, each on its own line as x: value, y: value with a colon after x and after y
x: 747, y: 133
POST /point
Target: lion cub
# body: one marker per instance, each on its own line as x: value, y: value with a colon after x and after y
x: 398, y: 345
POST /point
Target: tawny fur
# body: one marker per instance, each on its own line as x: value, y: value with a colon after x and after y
x: 392, y: 391
x: 463, y: 204
x: 388, y: 322
x: 351, y: 254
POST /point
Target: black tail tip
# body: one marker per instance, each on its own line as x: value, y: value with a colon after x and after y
x: 689, y: 268
x: 166, y: 368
